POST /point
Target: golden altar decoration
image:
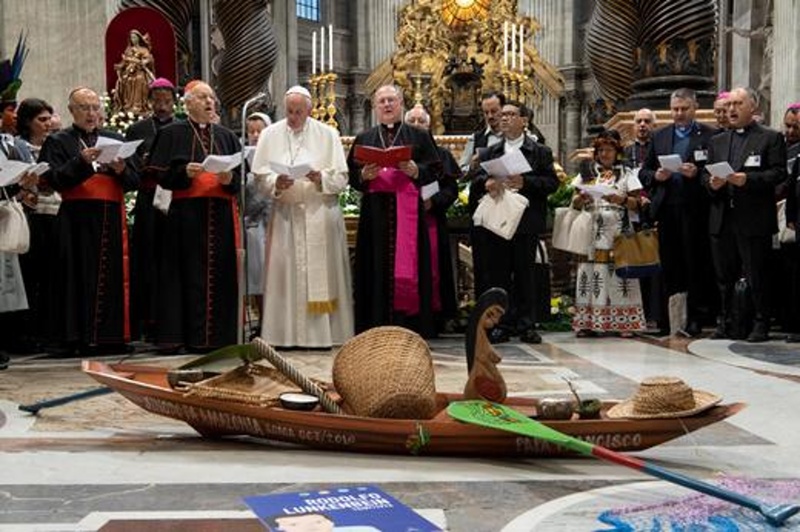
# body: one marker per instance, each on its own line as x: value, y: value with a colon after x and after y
x: 449, y: 51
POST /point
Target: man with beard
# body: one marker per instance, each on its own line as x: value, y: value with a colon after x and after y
x: 92, y: 277
x: 149, y: 221
x: 393, y: 283
x: 680, y: 206
x: 198, y: 301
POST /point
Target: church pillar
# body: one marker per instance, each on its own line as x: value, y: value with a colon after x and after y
x: 785, y: 70
x: 285, y: 73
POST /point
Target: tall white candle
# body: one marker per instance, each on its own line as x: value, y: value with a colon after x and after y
x: 505, y: 44
x: 314, y: 53
x: 322, y: 51
x: 330, y: 47
x: 513, y: 46
x: 521, y: 47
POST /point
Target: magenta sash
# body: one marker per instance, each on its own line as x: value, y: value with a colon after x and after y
x: 406, y: 278
x: 433, y: 238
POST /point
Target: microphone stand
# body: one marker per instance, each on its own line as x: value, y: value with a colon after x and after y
x: 243, y: 288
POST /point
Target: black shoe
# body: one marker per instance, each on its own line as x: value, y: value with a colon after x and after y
x: 498, y: 336
x: 759, y: 333
x: 793, y: 338
x: 721, y: 332
x: 4, y: 360
x: 693, y: 329
x: 530, y: 337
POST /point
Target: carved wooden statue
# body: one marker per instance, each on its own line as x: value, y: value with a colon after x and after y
x: 485, y: 380
x: 134, y: 74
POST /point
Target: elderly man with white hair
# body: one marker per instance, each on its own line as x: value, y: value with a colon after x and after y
x: 197, y: 282
x: 300, y: 162
x: 91, y: 270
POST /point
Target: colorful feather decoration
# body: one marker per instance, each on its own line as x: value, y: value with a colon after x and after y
x: 10, y: 71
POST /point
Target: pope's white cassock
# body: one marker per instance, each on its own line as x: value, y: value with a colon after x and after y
x: 307, y: 293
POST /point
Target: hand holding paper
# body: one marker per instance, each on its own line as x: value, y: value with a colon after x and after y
x: 112, y: 149
x: 12, y: 171
x: 597, y: 191
x: 292, y: 171
x: 670, y: 162
x: 512, y: 163
x: 720, y: 170
x: 217, y: 164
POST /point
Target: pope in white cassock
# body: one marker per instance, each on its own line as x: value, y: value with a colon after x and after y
x: 307, y: 293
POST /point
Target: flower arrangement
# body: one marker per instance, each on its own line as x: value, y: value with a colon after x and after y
x: 459, y: 207
x: 350, y: 201
x: 562, y: 308
x: 118, y: 121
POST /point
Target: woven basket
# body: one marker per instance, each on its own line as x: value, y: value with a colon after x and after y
x: 386, y: 372
x: 251, y: 384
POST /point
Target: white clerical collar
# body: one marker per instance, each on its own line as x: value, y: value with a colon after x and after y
x: 515, y: 144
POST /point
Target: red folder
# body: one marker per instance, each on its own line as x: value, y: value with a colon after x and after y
x: 388, y: 157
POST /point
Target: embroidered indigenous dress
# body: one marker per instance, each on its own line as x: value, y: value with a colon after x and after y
x: 393, y: 267
x: 92, y: 273
x: 307, y: 298
x: 603, y: 301
x: 198, y: 289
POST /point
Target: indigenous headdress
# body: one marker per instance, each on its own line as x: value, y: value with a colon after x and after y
x: 608, y: 137
x: 664, y: 397
x: 10, y: 70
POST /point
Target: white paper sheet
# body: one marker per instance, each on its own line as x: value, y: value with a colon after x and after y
x: 249, y: 153
x: 670, y: 162
x: 222, y: 163
x: 110, y: 151
x: 597, y: 191
x: 429, y: 190
x: 295, y: 171
x: 512, y: 163
x: 12, y: 171
x: 721, y: 170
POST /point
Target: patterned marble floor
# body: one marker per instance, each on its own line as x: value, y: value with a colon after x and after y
x: 103, y: 464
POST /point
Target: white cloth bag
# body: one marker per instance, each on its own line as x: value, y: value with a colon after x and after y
x: 562, y: 223
x: 501, y: 215
x: 15, y: 236
x: 12, y: 286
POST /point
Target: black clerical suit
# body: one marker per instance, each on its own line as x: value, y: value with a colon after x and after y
x: 379, y: 225
x: 509, y: 263
x: 146, y: 232
x: 743, y: 219
x: 680, y: 206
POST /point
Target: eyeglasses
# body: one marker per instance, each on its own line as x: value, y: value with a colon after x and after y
x: 85, y: 107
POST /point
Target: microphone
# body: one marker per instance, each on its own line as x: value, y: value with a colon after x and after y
x: 259, y: 96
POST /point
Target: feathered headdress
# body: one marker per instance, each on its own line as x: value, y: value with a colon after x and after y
x: 10, y: 70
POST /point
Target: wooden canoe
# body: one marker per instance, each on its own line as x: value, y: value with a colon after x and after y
x: 147, y: 387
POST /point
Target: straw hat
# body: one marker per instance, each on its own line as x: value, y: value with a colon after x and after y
x: 386, y: 372
x: 663, y: 397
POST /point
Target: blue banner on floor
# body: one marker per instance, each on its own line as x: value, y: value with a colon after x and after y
x: 344, y: 509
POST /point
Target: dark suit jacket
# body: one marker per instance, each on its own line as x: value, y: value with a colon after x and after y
x: 793, y: 193
x: 691, y: 192
x: 539, y: 183
x: 752, y: 206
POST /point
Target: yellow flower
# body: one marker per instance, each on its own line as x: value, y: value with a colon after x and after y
x: 463, y: 196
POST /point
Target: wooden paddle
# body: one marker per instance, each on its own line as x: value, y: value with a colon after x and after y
x: 501, y: 417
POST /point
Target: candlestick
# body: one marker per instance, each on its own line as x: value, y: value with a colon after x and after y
x: 313, y: 53
x: 521, y: 46
x: 505, y: 44
x: 513, y: 46
x: 322, y: 51
x: 330, y: 47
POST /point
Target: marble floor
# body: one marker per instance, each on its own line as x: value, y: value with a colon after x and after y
x: 104, y: 464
